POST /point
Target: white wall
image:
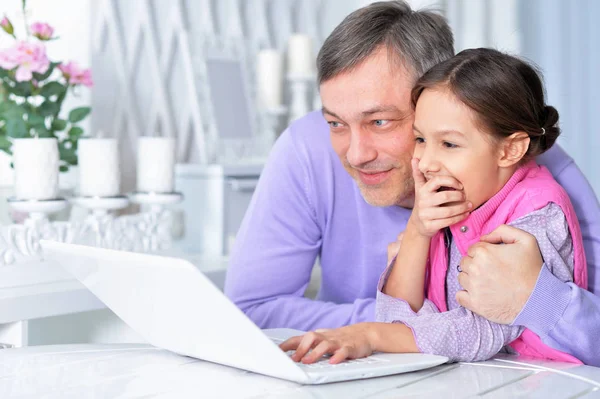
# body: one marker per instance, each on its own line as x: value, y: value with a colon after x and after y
x: 561, y: 36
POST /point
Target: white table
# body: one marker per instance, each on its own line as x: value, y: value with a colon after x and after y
x: 135, y: 370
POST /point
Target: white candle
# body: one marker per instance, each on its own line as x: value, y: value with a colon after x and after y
x: 99, y: 172
x: 269, y: 79
x: 301, y: 61
x: 156, y: 164
x: 36, y: 164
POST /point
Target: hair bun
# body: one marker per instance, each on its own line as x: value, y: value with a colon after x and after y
x: 551, y: 130
x: 550, y: 117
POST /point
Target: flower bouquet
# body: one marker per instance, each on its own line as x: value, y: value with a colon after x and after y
x: 33, y: 89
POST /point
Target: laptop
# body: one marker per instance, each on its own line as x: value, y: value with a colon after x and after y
x: 174, y: 306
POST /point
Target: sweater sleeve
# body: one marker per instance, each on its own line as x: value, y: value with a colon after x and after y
x: 276, y: 248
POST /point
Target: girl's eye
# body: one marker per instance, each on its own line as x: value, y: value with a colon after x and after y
x: 449, y: 145
x: 380, y: 122
x: 419, y: 140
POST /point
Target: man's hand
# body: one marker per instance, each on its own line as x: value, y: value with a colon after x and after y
x: 498, y: 279
x: 350, y: 342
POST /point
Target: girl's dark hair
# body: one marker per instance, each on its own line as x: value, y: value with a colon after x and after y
x: 506, y: 93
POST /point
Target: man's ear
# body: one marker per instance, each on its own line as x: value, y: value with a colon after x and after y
x: 513, y: 148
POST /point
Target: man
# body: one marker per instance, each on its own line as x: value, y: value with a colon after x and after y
x: 338, y: 187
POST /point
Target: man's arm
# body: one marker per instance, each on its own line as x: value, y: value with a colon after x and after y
x: 586, y: 205
x: 276, y: 248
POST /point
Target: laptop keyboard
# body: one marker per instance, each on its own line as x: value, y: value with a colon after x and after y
x: 324, y: 361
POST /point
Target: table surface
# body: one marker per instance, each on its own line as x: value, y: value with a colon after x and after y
x: 136, y: 370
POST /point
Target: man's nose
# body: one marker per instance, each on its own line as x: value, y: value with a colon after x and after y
x: 361, y: 149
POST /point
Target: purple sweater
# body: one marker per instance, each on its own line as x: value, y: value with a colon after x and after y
x: 306, y: 207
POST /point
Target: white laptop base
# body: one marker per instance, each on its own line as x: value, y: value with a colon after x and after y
x: 170, y: 303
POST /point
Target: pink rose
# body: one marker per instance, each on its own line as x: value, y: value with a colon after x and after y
x: 7, y: 26
x: 27, y: 58
x: 76, y: 75
x: 42, y: 31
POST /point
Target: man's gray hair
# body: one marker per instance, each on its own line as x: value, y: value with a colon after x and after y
x: 416, y: 39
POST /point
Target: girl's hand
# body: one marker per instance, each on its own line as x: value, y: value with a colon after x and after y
x: 436, y: 209
x: 350, y: 342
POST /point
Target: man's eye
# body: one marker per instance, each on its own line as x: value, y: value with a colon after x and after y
x: 380, y: 122
x: 334, y: 124
x: 449, y: 145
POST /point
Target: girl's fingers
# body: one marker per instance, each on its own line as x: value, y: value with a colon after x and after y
x: 443, y: 223
x: 443, y: 197
x: 291, y: 343
x: 437, y: 182
x: 445, y: 212
x: 309, y: 340
x: 318, y: 351
x: 418, y: 177
x: 340, y: 355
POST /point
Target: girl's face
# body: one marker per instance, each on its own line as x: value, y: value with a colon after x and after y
x: 449, y: 142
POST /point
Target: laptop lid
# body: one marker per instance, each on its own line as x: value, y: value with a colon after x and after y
x: 170, y: 303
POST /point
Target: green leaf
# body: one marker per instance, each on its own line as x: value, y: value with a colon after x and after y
x: 67, y: 152
x: 48, y: 108
x: 63, y: 168
x: 8, y: 108
x: 3, y: 73
x: 52, y: 89
x: 29, y: 109
x: 16, y: 128
x: 59, y: 125
x: 43, y: 76
x: 5, y: 144
x: 79, y: 114
x: 22, y: 89
x: 75, y: 133
x: 36, y: 120
x: 42, y: 132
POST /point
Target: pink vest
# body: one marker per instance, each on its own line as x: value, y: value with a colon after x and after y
x: 532, y: 187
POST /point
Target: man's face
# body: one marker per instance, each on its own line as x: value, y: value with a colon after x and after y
x: 370, y: 117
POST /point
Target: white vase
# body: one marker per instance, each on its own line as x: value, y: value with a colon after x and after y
x: 6, y: 187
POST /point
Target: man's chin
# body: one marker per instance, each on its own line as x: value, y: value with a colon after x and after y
x: 378, y: 197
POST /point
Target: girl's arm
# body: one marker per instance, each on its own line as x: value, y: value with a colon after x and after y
x: 464, y: 336
x: 407, y: 277
x: 434, y: 209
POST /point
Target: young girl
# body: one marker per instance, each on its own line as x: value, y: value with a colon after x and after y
x: 480, y: 120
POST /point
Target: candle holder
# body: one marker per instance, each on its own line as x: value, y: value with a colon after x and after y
x: 25, y: 238
x: 98, y: 226
x: 37, y: 209
x: 299, y: 89
x: 101, y: 206
x: 270, y: 119
x: 156, y: 222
